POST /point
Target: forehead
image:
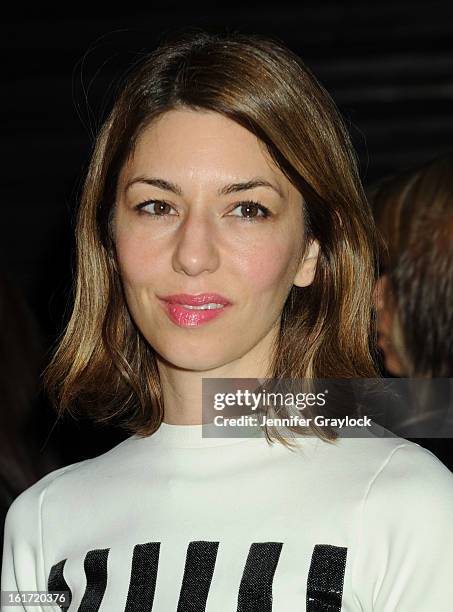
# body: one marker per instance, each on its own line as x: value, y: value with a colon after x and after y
x: 202, y: 144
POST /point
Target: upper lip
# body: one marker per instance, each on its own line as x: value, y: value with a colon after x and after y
x: 196, y: 300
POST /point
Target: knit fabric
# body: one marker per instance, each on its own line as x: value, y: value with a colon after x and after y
x: 176, y: 522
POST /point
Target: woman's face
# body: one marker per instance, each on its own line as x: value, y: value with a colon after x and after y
x: 202, y: 209
x: 385, y: 311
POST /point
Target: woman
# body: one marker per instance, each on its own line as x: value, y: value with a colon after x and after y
x: 414, y: 296
x: 225, y: 178
x: 414, y: 293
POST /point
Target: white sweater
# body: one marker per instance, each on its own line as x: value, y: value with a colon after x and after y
x: 180, y: 523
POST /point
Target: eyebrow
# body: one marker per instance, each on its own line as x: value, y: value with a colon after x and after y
x: 225, y: 190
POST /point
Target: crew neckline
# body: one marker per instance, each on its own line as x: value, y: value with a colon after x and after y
x: 197, y: 436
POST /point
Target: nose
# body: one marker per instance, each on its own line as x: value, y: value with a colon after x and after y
x: 196, y: 250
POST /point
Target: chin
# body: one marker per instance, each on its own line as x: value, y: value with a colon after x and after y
x: 197, y: 359
x: 195, y: 365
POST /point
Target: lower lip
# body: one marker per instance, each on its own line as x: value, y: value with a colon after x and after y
x: 185, y: 317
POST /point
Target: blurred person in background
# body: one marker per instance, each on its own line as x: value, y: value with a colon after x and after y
x: 414, y: 293
x: 414, y: 213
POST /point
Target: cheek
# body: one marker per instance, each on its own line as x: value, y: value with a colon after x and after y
x: 138, y: 260
x: 267, y: 270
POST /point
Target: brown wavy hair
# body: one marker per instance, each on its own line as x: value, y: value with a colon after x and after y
x: 103, y: 367
x: 414, y: 216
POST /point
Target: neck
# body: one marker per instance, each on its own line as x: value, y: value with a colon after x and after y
x: 182, y: 388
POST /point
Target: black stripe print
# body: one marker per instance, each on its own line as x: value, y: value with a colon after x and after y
x: 95, y: 565
x: 199, y: 568
x: 57, y: 582
x: 142, y: 585
x: 255, y: 591
x: 326, y: 578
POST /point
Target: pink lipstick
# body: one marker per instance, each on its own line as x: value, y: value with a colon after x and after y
x: 188, y: 310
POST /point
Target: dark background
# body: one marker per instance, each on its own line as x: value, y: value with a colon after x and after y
x: 389, y: 67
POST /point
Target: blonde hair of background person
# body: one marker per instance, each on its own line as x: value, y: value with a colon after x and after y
x: 414, y: 294
x: 103, y: 366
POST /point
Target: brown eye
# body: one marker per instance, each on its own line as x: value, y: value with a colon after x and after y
x: 246, y: 208
x: 250, y: 211
x: 161, y: 208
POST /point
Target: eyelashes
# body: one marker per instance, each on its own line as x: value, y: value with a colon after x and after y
x: 243, y: 205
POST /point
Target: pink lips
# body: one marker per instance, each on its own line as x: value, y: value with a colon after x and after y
x: 185, y: 317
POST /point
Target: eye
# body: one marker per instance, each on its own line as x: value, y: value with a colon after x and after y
x: 251, y: 209
x: 248, y: 208
x: 160, y: 208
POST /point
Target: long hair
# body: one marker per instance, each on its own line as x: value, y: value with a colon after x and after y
x: 414, y: 215
x: 103, y: 367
